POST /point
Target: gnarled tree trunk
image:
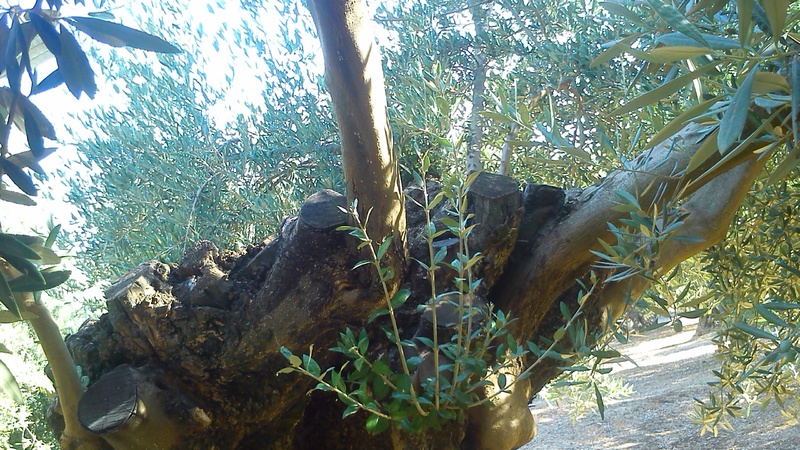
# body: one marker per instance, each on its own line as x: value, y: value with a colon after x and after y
x: 192, y: 350
x: 213, y: 325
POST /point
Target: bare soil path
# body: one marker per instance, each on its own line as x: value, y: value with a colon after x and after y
x: 674, y: 368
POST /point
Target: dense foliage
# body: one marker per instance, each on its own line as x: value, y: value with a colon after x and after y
x: 29, y: 39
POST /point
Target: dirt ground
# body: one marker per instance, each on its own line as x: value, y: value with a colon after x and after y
x: 673, y: 369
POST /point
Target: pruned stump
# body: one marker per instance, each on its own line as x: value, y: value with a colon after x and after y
x: 136, y: 408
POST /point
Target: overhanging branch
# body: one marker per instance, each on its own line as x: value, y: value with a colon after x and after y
x: 562, y: 251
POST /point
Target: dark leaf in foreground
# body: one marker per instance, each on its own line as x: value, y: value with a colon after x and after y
x: 55, y: 3
x: 24, y: 41
x: 24, y: 108
x: 74, y: 66
x: 13, y: 71
x: 53, y: 80
x: 29, y: 283
x: 47, y: 32
x: 4, y: 34
x: 16, y: 198
x: 26, y: 159
x: 34, y: 135
x: 7, y: 297
x: 18, y: 176
x: 11, y: 246
x: 28, y: 269
x: 117, y: 35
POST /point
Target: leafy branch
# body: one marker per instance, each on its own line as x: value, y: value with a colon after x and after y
x: 28, y: 37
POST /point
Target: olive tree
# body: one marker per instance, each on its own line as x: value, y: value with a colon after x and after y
x: 448, y: 304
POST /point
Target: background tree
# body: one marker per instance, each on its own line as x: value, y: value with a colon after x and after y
x: 223, y: 177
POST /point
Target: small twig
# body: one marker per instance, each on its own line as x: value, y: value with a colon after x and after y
x: 191, y: 212
x: 505, y: 155
x: 395, y: 329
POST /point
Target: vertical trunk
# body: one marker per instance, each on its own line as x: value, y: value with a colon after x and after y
x: 354, y: 77
x: 478, y: 88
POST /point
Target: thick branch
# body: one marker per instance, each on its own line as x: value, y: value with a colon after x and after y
x: 65, y: 376
x: 711, y: 210
x: 562, y: 251
x: 354, y: 77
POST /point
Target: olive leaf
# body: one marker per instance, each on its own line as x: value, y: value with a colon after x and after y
x: 776, y: 15
x: 745, y: 9
x: 8, y: 384
x: 661, y: 92
x: 18, y: 177
x: 732, y: 123
x: 7, y: 297
x: 50, y: 279
x: 681, y: 40
x: 74, y: 66
x: 676, y: 53
x: 677, y: 21
x: 47, y: 32
x: 118, y: 35
x: 11, y: 246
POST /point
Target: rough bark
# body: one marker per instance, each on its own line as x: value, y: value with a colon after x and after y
x: 551, y: 262
x: 548, y: 261
x: 214, y: 323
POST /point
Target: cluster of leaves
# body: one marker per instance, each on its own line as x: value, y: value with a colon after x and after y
x: 725, y: 75
x: 585, y: 355
x: 538, y: 82
x: 28, y: 265
x: 756, y: 295
x: 479, y: 348
x: 33, y: 258
x: 640, y: 238
x: 579, y: 391
x: 28, y: 37
x: 758, y: 286
x: 392, y: 396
